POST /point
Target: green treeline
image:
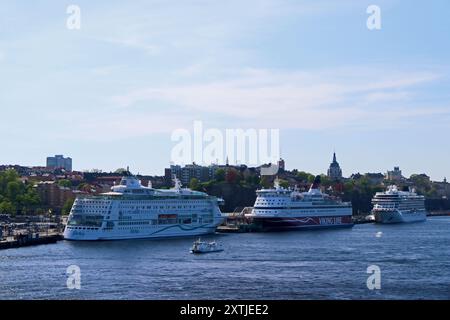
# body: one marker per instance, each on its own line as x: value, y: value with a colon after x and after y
x: 237, y: 188
x: 16, y: 197
x: 239, y: 191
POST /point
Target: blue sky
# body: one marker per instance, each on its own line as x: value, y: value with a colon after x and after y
x: 110, y: 95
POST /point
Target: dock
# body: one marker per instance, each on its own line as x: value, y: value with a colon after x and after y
x: 360, y: 219
x: 29, y: 240
x: 19, y: 233
x: 236, y: 222
x: 241, y: 228
x: 438, y: 214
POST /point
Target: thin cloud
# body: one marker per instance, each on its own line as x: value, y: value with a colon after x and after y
x: 135, y: 42
x: 307, y: 100
x: 105, y: 70
x: 199, y: 25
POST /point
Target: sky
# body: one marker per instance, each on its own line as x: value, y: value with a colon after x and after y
x: 111, y: 93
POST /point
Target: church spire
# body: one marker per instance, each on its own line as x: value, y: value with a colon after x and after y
x: 334, y: 171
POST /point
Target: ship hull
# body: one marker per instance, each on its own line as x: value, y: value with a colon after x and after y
x: 171, y: 231
x: 391, y: 217
x: 269, y: 224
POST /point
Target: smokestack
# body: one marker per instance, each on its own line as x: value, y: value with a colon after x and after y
x: 316, y: 183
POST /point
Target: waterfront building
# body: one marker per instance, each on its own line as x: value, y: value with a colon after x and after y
x: 53, y: 195
x: 188, y: 172
x: 395, y: 175
x: 207, y: 173
x: 334, y: 171
x: 59, y: 162
x: 374, y: 178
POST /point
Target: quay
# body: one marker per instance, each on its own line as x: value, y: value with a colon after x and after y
x: 241, y: 228
x: 236, y: 222
x: 26, y: 240
x: 24, y: 232
x: 360, y: 219
x: 438, y: 213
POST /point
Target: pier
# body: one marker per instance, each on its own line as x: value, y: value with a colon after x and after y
x: 236, y: 222
x: 18, y: 233
x: 29, y: 240
x: 360, y: 219
x: 438, y: 213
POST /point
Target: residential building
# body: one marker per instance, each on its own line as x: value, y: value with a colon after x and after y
x: 53, y: 195
x: 59, y: 162
x: 188, y: 172
x: 395, y: 175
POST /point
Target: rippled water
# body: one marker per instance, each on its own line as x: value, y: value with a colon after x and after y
x: 331, y: 264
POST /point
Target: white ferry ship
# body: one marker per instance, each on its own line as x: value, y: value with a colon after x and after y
x: 132, y: 211
x: 394, y: 206
x: 280, y: 209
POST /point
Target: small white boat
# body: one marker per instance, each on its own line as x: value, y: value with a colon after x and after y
x: 205, y: 247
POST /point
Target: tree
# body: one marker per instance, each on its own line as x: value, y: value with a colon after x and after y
x: 29, y: 200
x: 422, y: 183
x: 360, y: 192
x: 121, y: 171
x: 305, y: 176
x: 67, y: 206
x: 194, y: 184
x: 86, y: 187
x: 65, y: 183
x: 265, y: 182
x: 220, y: 175
x: 16, y: 196
x: 7, y: 207
x: 325, y: 180
x: 13, y: 189
x: 249, y: 179
x: 284, y: 183
x: 231, y: 176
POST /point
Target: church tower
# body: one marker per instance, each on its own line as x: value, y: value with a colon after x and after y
x: 334, y: 172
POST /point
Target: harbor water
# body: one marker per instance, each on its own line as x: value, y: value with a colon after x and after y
x: 413, y: 259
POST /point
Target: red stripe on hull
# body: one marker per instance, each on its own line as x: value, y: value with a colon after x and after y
x: 285, y: 223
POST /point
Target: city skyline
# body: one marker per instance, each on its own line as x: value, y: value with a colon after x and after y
x: 110, y: 94
x: 333, y: 171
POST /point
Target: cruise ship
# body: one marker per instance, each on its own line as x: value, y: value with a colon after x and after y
x: 394, y: 206
x: 281, y: 209
x: 132, y: 211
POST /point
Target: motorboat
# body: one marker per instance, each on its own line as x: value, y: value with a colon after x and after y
x: 206, y: 247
